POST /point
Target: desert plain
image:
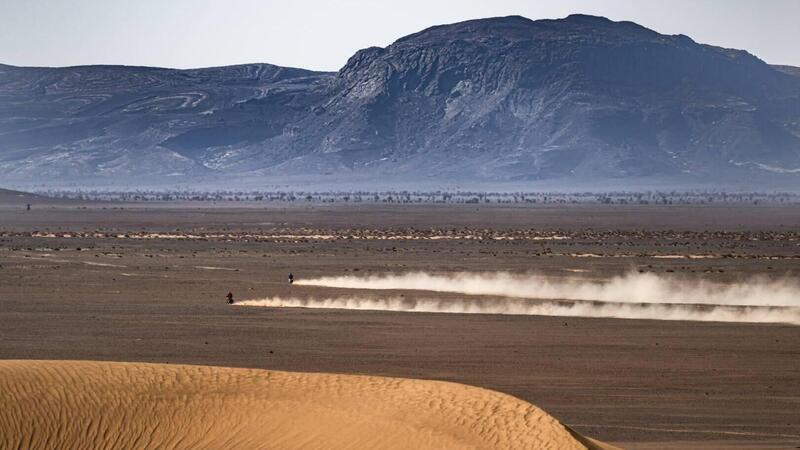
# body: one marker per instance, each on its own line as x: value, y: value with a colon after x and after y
x: 146, y: 282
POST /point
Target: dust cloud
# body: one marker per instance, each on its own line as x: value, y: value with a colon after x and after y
x: 628, y: 288
x: 513, y: 306
x: 628, y: 296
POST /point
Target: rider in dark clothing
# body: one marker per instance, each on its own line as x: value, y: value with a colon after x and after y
x: 291, y: 278
x: 230, y: 298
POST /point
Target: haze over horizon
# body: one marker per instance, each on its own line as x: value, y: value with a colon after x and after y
x: 322, y: 36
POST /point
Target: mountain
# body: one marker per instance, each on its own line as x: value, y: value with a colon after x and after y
x: 117, y: 121
x: 579, y: 99
x: 17, y: 198
x: 791, y: 70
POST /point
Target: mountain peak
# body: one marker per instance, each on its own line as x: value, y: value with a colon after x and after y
x: 518, y: 28
x: 588, y: 18
x: 470, y: 29
x: 503, y: 98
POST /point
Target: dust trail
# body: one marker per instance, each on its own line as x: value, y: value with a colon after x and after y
x: 628, y: 288
x: 753, y: 314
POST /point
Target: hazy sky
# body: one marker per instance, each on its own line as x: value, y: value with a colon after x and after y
x: 323, y: 34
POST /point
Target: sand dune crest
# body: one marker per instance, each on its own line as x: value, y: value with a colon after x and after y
x: 83, y: 405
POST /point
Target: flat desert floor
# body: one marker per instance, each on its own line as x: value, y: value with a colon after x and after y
x: 147, y: 283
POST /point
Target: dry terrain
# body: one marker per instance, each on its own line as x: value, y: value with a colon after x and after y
x: 91, y: 405
x: 146, y: 283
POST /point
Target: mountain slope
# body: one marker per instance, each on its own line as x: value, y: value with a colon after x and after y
x: 791, y: 70
x: 509, y: 97
x: 128, y: 121
x: 493, y: 99
x: 8, y: 197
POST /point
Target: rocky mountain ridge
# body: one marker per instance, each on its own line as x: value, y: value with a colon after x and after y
x: 499, y: 100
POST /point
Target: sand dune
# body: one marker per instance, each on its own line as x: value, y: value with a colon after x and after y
x: 71, y: 404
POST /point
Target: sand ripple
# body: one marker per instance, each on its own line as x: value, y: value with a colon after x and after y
x: 97, y: 405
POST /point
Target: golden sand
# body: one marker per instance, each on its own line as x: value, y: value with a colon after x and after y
x: 96, y: 405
